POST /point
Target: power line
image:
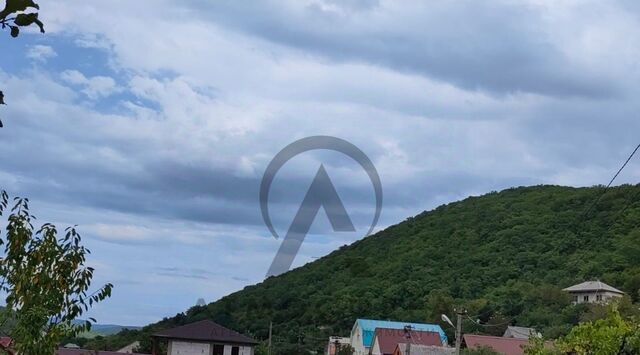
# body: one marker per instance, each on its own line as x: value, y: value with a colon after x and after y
x: 626, y: 206
x: 610, y: 182
x: 477, y: 322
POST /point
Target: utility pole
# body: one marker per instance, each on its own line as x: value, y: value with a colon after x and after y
x: 459, y: 314
x: 270, y: 333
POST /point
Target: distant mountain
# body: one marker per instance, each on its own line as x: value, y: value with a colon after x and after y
x: 108, y: 329
x: 504, y: 256
x: 105, y: 329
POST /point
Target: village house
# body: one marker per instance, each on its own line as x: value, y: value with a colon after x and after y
x: 501, y: 345
x: 593, y: 292
x: 386, y: 340
x: 416, y: 349
x: 521, y: 332
x: 335, y: 343
x: 363, y: 332
x: 203, y: 338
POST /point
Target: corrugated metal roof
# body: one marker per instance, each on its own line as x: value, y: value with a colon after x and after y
x: 369, y: 326
x: 520, y: 332
x: 589, y: 286
x: 388, y: 339
x: 506, y: 346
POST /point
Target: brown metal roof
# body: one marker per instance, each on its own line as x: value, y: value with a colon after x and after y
x: 506, y: 346
x: 205, y: 330
x: 388, y: 339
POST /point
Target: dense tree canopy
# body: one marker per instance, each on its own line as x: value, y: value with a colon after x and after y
x: 503, y: 256
x: 612, y: 334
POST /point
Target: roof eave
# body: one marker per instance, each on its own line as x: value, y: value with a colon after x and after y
x: 170, y: 337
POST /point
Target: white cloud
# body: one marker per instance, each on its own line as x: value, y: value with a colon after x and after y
x: 41, y: 53
x: 94, y: 87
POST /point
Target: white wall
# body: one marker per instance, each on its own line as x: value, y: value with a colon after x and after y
x: 246, y: 350
x: 375, y: 347
x: 593, y: 296
x: 356, y: 341
x: 242, y: 350
x: 188, y: 348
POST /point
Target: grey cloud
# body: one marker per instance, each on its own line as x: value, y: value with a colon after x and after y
x: 493, y: 46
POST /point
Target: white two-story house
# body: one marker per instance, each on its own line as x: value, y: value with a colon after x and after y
x: 593, y: 292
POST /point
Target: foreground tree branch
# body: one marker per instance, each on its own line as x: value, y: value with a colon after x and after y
x: 16, y: 14
x: 46, y: 281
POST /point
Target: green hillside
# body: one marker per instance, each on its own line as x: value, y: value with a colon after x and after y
x: 504, y: 256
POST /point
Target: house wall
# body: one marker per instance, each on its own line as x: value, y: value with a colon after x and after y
x: 194, y: 348
x: 357, y: 341
x: 579, y: 297
x: 188, y: 348
x: 243, y: 350
x: 375, y: 347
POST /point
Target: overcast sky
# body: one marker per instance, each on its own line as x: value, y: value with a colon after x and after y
x: 149, y: 123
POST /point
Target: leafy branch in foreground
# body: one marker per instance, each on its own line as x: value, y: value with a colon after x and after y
x: 15, y: 15
x: 45, y: 280
x: 612, y: 335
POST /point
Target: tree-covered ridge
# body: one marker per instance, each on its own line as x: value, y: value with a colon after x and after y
x: 504, y: 256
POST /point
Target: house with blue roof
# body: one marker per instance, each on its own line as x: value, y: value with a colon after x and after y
x: 364, y: 329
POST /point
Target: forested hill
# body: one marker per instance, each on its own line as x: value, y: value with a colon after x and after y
x: 504, y: 256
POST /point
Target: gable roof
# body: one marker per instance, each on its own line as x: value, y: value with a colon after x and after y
x: 369, y: 326
x: 388, y: 339
x: 520, y: 332
x: 589, y: 286
x: 205, y: 330
x: 506, y: 346
x: 424, y: 350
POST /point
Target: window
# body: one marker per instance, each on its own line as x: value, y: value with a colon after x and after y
x: 218, y: 349
x: 235, y: 350
x: 598, y: 297
x: 585, y: 298
x: 575, y: 299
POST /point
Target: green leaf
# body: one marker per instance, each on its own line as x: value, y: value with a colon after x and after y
x: 15, y: 31
x: 19, y: 5
x: 28, y: 20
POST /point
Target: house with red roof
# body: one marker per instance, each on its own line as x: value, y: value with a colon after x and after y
x: 385, y: 340
x: 505, y: 346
